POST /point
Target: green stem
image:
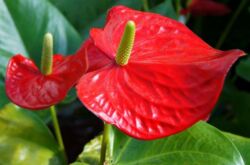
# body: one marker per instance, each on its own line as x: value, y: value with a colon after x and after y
x: 145, y: 5
x: 105, y: 140
x: 230, y: 24
x: 178, y: 7
x: 46, y: 69
x: 57, y: 128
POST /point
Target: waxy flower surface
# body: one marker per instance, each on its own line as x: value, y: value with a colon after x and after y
x: 205, y: 8
x: 27, y: 87
x: 172, y: 80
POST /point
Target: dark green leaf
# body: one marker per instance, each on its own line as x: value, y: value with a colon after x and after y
x: 23, y: 24
x: 79, y: 163
x: 198, y: 145
x: 100, y: 20
x: 243, y: 69
x: 243, y: 145
x: 166, y: 8
x: 232, y: 114
x: 3, y: 98
x: 84, y: 14
x: 25, y: 140
x: 81, y: 12
x: 71, y: 96
x: 91, y: 152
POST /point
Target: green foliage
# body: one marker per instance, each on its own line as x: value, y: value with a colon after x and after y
x: 243, y: 145
x: 200, y: 144
x: 23, y: 24
x: 25, y: 140
x: 84, y: 14
x: 232, y: 113
x: 166, y: 8
x: 91, y: 152
x: 4, y: 100
x: 243, y: 69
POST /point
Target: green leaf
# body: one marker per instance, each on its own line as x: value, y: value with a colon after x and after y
x: 25, y: 140
x: 198, y: 145
x: 91, y: 152
x: 75, y: 11
x: 23, y: 24
x: 4, y: 100
x: 166, y: 8
x: 71, y: 96
x: 81, y: 12
x: 79, y: 163
x: 243, y: 69
x: 243, y: 145
x: 100, y: 20
x: 233, y: 112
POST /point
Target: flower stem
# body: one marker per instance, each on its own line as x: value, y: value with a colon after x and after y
x: 178, y: 6
x: 230, y: 23
x: 46, y: 69
x: 145, y: 5
x: 105, y: 140
x: 57, y: 129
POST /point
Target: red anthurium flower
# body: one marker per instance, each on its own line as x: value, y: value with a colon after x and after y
x: 206, y: 7
x: 27, y: 87
x: 172, y: 80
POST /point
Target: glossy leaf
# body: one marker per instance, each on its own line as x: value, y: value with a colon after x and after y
x: 166, y: 8
x: 91, y: 152
x: 25, y: 139
x: 27, y: 87
x: 79, y: 163
x: 242, y: 144
x: 233, y: 111
x: 201, y: 144
x: 100, y: 20
x: 23, y: 24
x: 4, y: 100
x: 243, y: 69
x: 75, y: 10
x: 173, y: 78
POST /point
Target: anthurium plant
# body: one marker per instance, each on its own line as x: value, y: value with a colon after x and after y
x: 124, y: 82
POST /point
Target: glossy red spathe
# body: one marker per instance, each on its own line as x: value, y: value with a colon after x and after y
x: 27, y: 87
x: 206, y: 8
x: 172, y: 80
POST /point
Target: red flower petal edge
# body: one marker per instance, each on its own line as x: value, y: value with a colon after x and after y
x: 172, y: 80
x: 206, y: 7
x: 27, y: 87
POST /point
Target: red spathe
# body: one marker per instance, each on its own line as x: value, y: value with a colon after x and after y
x: 27, y: 87
x: 172, y: 80
x: 206, y: 8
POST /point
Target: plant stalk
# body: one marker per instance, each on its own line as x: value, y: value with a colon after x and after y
x: 57, y: 129
x: 46, y: 69
x: 105, y: 141
x: 230, y: 24
x: 145, y: 5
